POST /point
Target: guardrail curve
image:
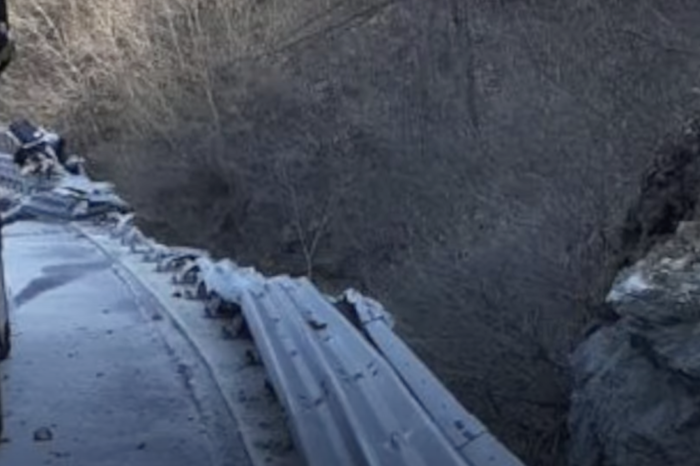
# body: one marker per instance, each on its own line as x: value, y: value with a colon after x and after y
x: 354, y: 393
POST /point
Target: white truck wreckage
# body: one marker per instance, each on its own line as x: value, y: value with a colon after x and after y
x: 350, y: 390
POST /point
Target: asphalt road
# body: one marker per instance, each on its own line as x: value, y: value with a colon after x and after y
x: 97, y: 377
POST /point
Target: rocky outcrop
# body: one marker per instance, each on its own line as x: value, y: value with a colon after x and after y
x: 636, y: 399
x: 669, y: 194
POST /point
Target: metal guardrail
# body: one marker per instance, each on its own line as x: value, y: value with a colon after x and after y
x: 10, y: 176
x: 354, y: 393
x: 60, y: 197
x: 463, y: 430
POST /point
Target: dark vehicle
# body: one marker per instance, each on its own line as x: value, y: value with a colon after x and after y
x: 4, y: 313
x: 7, y: 45
x: 7, y: 52
x: 4, y: 322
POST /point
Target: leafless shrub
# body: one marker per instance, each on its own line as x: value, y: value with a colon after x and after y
x: 469, y: 163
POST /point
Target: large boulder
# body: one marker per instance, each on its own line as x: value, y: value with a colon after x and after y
x: 636, y: 399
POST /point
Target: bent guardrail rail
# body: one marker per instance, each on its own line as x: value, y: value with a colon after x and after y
x: 354, y: 392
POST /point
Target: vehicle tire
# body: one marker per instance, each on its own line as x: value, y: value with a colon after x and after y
x: 6, y: 345
x: 2, y: 413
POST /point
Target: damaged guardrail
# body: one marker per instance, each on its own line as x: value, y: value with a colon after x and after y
x: 354, y: 392
x: 63, y: 196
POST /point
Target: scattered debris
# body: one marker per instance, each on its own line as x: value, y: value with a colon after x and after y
x: 316, y: 325
x: 43, y: 434
x: 270, y: 389
x: 252, y: 357
x: 237, y: 327
x: 227, y: 334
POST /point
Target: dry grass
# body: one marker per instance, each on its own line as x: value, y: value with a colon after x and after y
x: 468, y: 163
x: 132, y: 66
x: 119, y: 67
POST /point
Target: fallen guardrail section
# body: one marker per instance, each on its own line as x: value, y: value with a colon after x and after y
x: 353, y: 391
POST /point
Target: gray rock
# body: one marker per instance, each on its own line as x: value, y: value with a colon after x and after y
x: 636, y: 398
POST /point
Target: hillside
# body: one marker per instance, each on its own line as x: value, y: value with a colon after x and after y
x: 470, y: 163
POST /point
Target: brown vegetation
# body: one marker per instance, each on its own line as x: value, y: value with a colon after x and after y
x: 469, y: 163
